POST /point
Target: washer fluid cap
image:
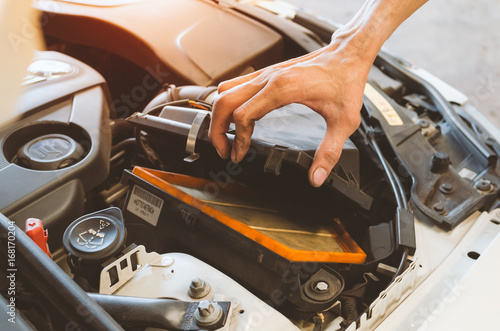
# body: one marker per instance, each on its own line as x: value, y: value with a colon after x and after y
x: 96, y: 237
x: 50, y: 152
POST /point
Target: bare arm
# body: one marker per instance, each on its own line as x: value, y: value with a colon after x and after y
x: 330, y: 81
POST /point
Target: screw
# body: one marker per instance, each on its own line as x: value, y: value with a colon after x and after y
x: 483, y: 185
x: 321, y: 286
x: 198, y: 288
x: 446, y: 188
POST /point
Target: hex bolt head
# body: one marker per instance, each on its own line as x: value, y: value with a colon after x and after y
x: 440, y: 162
x: 198, y: 288
x: 439, y: 207
x: 483, y: 185
x: 205, y: 308
x: 446, y: 188
x: 321, y: 286
x: 196, y: 282
x: 208, y: 313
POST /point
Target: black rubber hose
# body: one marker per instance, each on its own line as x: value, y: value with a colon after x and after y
x: 123, y: 145
x: 349, y: 309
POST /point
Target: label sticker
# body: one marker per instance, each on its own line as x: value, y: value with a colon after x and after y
x: 383, y: 106
x: 145, y: 205
x: 467, y: 174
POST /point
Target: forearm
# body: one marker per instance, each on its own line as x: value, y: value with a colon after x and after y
x: 373, y: 24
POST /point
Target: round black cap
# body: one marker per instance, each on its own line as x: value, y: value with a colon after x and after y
x: 50, y: 152
x: 95, y: 237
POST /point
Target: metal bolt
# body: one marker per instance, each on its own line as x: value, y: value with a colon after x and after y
x: 483, y: 185
x: 198, y: 288
x: 439, y: 207
x: 208, y: 313
x: 423, y: 123
x: 440, y: 162
x: 321, y: 286
x: 205, y: 308
x: 446, y: 188
x: 196, y: 282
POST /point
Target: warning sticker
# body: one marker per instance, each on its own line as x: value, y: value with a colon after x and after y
x: 145, y: 205
x: 384, y: 107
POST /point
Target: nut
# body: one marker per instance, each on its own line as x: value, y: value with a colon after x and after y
x: 198, y: 288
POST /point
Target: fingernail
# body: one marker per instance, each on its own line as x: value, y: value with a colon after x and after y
x: 319, y: 176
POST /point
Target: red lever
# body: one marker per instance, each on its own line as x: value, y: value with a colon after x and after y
x: 34, y: 229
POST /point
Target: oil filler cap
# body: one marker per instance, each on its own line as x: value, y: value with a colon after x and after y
x: 50, y: 152
x: 96, y: 237
x: 50, y: 68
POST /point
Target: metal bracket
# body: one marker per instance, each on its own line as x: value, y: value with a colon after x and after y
x: 200, y: 124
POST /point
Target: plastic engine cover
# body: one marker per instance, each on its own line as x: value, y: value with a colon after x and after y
x: 58, y: 148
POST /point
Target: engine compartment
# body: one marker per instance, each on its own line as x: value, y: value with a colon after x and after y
x: 112, y: 174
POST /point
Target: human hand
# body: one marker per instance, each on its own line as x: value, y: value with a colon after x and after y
x: 330, y: 81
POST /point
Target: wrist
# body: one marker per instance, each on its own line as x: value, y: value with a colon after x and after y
x: 356, y: 42
x: 373, y: 24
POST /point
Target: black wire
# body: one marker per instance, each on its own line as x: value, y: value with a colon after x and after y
x: 148, y: 152
x: 396, y: 186
x: 390, y: 175
x: 402, y: 264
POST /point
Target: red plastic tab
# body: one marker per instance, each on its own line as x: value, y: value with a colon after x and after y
x: 34, y: 229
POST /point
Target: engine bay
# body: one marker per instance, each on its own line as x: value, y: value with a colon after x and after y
x: 154, y: 228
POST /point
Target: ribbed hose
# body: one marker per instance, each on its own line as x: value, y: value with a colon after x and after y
x: 173, y: 93
x: 349, y: 309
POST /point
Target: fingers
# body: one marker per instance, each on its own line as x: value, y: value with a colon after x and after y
x: 254, y: 109
x: 222, y: 115
x: 244, y: 104
x: 327, y: 155
x: 329, y: 150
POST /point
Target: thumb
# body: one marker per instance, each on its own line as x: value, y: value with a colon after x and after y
x: 326, y: 156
